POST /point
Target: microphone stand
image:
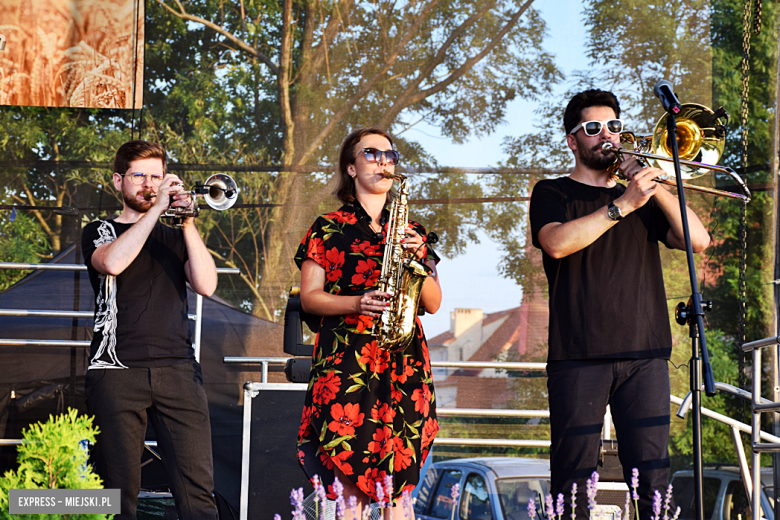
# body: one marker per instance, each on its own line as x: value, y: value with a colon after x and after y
x: 693, y: 314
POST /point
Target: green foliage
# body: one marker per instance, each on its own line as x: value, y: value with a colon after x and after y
x: 218, y: 97
x: 697, y: 45
x: 718, y: 444
x: 23, y: 241
x: 53, y: 456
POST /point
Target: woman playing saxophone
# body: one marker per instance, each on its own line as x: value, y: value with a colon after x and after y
x: 369, y: 414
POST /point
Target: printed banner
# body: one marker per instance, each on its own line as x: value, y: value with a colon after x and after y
x: 72, y: 53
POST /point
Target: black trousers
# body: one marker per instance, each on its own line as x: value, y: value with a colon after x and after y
x: 173, y: 399
x: 638, y: 394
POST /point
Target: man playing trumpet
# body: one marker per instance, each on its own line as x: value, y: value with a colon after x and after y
x: 609, y: 334
x: 142, y: 364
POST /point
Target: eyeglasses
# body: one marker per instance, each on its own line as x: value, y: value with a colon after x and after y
x: 138, y: 178
x: 591, y: 128
x: 374, y: 155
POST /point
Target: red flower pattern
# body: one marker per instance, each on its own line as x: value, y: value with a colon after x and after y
x: 334, y: 260
x: 383, y: 413
x: 365, y: 247
x: 402, y: 457
x: 383, y: 441
x: 342, y: 217
x: 422, y: 400
x: 325, y: 388
x: 367, y: 481
x: 430, y: 429
x: 303, y: 431
x: 340, y: 460
x: 365, y: 273
x: 396, y: 395
x: 348, y: 395
x: 360, y: 321
x: 316, y: 250
x: 407, y: 372
x: 345, y: 419
x: 376, y: 358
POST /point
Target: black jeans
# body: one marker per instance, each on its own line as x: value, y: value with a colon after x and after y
x: 173, y: 398
x: 637, y: 391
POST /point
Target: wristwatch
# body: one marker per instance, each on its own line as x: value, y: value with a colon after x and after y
x: 614, y: 212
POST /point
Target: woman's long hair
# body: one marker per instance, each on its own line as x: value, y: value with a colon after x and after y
x: 345, y: 190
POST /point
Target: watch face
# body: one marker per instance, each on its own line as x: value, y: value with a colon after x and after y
x: 614, y: 212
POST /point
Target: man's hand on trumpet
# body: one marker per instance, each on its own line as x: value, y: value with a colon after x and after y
x: 170, y: 193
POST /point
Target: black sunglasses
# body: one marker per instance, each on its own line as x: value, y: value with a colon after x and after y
x: 374, y: 155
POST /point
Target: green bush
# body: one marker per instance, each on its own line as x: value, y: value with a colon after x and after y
x: 52, y: 456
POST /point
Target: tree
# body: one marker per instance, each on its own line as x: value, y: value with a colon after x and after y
x: 281, y: 83
x: 697, y: 46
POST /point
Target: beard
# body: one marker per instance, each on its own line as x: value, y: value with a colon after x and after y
x: 594, y: 159
x: 141, y: 206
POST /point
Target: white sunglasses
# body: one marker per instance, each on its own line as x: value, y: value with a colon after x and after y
x: 591, y: 128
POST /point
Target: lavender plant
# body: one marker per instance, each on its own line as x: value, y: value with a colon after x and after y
x: 406, y: 503
x: 592, y: 489
x: 657, y: 505
x: 296, y: 498
x: 557, y: 512
x: 454, y: 494
x: 574, y: 501
x: 341, y: 506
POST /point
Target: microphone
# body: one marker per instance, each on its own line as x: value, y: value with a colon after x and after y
x: 663, y: 90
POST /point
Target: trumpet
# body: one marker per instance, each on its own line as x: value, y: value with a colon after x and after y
x: 220, y: 192
x: 700, y: 135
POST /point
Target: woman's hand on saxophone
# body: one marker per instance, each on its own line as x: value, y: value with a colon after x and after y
x: 372, y: 303
x: 413, y: 243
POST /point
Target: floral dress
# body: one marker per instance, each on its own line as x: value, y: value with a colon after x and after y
x: 368, y: 412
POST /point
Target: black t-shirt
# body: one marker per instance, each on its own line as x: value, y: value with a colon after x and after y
x: 608, y: 299
x: 141, y: 314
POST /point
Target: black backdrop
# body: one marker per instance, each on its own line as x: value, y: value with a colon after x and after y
x: 38, y: 381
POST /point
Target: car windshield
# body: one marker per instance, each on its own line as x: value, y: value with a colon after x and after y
x: 514, y: 494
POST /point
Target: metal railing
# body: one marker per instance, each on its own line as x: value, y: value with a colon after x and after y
x: 759, y: 406
x: 684, y: 404
x: 30, y: 313
x: 197, y: 317
x: 252, y: 390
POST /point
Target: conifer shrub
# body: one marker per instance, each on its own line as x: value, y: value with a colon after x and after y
x: 53, y: 455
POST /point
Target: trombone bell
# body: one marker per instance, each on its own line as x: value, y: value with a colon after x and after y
x: 701, y: 137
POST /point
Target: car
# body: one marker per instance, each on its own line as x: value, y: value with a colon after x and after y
x: 491, y: 488
x: 499, y: 488
x: 724, y: 493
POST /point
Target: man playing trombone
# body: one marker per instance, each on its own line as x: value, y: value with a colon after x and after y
x: 609, y: 333
x: 142, y: 363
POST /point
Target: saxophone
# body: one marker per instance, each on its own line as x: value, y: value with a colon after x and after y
x: 402, y: 277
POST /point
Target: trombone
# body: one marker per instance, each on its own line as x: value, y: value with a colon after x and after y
x: 700, y: 137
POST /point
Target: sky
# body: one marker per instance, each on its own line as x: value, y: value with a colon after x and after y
x: 471, y: 280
